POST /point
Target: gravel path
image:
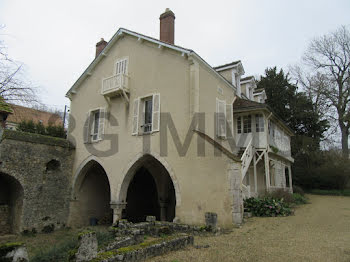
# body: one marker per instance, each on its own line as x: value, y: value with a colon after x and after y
x: 319, y: 231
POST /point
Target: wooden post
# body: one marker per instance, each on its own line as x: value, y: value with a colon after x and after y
x: 290, y: 178
x: 255, y: 176
x: 267, y: 170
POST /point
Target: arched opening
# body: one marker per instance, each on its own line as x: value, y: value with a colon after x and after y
x: 148, y: 190
x: 92, y: 197
x: 11, y: 202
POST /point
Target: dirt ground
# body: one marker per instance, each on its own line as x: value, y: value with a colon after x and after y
x: 319, y: 231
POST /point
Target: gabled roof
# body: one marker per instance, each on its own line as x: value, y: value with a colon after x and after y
x: 141, y: 37
x: 247, y: 79
x: 242, y: 105
x: 232, y: 64
x: 235, y: 64
x: 4, y: 107
x: 21, y: 113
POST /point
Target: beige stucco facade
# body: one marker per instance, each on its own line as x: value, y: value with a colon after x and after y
x: 191, y: 179
x: 202, y: 183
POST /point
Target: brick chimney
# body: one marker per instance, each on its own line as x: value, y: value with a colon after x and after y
x: 99, y: 46
x: 167, y: 26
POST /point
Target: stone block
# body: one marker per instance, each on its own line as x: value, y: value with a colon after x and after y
x: 211, y: 220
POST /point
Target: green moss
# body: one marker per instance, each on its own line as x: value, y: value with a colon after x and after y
x: 8, y: 247
x: 4, y: 107
x: 105, y: 255
x: 123, y: 250
x: 83, y: 233
x: 35, y: 138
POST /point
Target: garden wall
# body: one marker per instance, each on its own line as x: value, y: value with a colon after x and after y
x: 35, y: 172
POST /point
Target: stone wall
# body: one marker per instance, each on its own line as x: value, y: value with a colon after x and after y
x: 4, y: 220
x: 42, y: 167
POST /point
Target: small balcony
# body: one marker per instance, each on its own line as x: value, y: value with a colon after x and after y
x: 115, y: 85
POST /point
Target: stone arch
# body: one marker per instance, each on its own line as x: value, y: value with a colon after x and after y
x: 11, y: 203
x: 164, y: 178
x: 91, y: 195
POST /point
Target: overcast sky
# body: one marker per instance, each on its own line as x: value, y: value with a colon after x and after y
x: 56, y: 39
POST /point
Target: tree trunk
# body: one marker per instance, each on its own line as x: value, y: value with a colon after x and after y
x: 344, y: 141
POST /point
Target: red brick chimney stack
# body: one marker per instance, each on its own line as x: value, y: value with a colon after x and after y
x: 99, y: 46
x: 167, y: 26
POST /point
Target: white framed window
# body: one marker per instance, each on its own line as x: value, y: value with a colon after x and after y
x: 146, y: 114
x: 239, y: 125
x: 259, y: 123
x: 121, y: 66
x: 94, y: 125
x: 247, y: 124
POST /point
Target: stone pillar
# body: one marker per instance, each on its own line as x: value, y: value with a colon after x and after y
x: 163, y: 208
x: 117, y: 210
x: 235, y: 176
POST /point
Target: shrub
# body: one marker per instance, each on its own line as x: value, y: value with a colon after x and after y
x: 345, y: 192
x: 104, y: 238
x: 281, y: 194
x: 267, y: 206
x: 326, y: 170
x: 298, y: 190
x: 39, y: 128
x: 299, y: 199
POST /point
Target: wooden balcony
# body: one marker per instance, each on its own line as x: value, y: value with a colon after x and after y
x: 115, y: 85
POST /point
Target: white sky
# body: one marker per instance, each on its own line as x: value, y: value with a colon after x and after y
x: 56, y: 39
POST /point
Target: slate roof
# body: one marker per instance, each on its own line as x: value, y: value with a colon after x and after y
x: 240, y: 105
x: 243, y: 105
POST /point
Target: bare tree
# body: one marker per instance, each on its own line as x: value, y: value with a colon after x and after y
x: 328, y: 79
x: 13, y: 86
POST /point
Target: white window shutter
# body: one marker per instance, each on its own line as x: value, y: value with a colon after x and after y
x: 135, y: 117
x: 156, y: 112
x: 86, y: 129
x: 101, y: 123
x: 220, y: 118
x: 229, y: 120
x: 222, y: 114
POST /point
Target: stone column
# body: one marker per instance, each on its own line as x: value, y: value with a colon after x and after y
x: 163, y: 208
x: 235, y: 177
x: 117, y: 210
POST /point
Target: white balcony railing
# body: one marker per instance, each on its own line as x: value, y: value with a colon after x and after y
x: 115, y: 85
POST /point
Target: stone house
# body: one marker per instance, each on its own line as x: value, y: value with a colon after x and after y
x: 22, y: 113
x: 158, y: 131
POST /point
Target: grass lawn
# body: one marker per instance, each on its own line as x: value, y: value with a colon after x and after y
x: 319, y: 231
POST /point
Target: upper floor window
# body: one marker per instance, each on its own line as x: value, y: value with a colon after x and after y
x: 259, y: 122
x: 95, y: 125
x: 247, y: 124
x: 146, y: 116
x: 121, y: 66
